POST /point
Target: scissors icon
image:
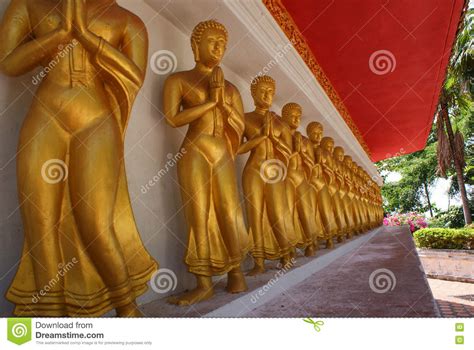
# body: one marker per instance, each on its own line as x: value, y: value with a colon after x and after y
x: 316, y: 324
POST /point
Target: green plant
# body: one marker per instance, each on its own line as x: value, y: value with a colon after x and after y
x: 453, y: 218
x: 445, y: 238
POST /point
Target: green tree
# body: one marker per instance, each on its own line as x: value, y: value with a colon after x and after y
x: 418, y: 172
x: 455, y: 104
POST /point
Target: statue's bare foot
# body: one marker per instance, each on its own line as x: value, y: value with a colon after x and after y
x: 329, y: 244
x: 286, y: 262
x: 349, y: 235
x: 236, y: 282
x: 130, y: 310
x: 316, y: 246
x: 309, y: 251
x: 257, y: 270
x: 340, y: 239
x: 192, y: 297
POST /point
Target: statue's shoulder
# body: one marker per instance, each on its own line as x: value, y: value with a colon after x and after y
x: 232, y: 88
x: 178, y: 78
x: 132, y: 18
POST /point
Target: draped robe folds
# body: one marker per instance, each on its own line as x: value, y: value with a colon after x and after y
x: 212, y: 252
x: 83, y: 291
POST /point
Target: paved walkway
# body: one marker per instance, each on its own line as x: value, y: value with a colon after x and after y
x: 382, y: 278
x: 455, y: 299
x: 377, y: 274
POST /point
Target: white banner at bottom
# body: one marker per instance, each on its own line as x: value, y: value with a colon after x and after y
x: 237, y: 333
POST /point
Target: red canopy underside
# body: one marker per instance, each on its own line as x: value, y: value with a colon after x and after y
x: 393, y: 111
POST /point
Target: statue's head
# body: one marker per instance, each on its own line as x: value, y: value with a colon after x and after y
x: 327, y: 143
x: 263, y: 91
x: 348, y: 161
x: 209, y: 41
x: 315, y: 132
x: 339, y: 153
x: 291, y: 114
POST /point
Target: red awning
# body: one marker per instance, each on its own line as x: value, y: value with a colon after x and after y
x: 385, y: 59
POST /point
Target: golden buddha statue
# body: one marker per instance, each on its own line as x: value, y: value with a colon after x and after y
x: 320, y: 184
x: 360, y: 198
x: 270, y: 222
x: 311, y: 170
x: 299, y: 190
x: 343, y: 191
x: 357, y: 195
x: 212, y: 109
x: 327, y: 149
x: 349, y: 201
x: 70, y: 163
x: 366, y: 196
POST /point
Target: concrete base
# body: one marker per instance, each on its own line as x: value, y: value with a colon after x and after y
x: 374, y: 275
x: 448, y: 264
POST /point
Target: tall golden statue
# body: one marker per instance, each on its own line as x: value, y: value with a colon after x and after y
x: 342, y: 189
x: 327, y: 149
x: 363, y: 197
x: 264, y: 179
x: 71, y: 177
x: 349, y: 202
x: 319, y: 180
x: 299, y: 187
x: 312, y: 170
x: 212, y: 109
x: 358, y: 199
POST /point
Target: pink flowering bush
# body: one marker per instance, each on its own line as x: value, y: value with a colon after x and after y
x: 414, y: 220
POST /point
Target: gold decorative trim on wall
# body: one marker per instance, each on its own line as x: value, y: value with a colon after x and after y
x: 289, y: 27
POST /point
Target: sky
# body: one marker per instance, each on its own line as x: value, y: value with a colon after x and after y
x: 438, y: 192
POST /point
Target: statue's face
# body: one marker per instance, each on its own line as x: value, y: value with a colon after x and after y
x: 293, y: 118
x: 315, y: 134
x: 212, y: 47
x: 329, y: 146
x: 339, y: 154
x: 348, y: 162
x: 263, y: 95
